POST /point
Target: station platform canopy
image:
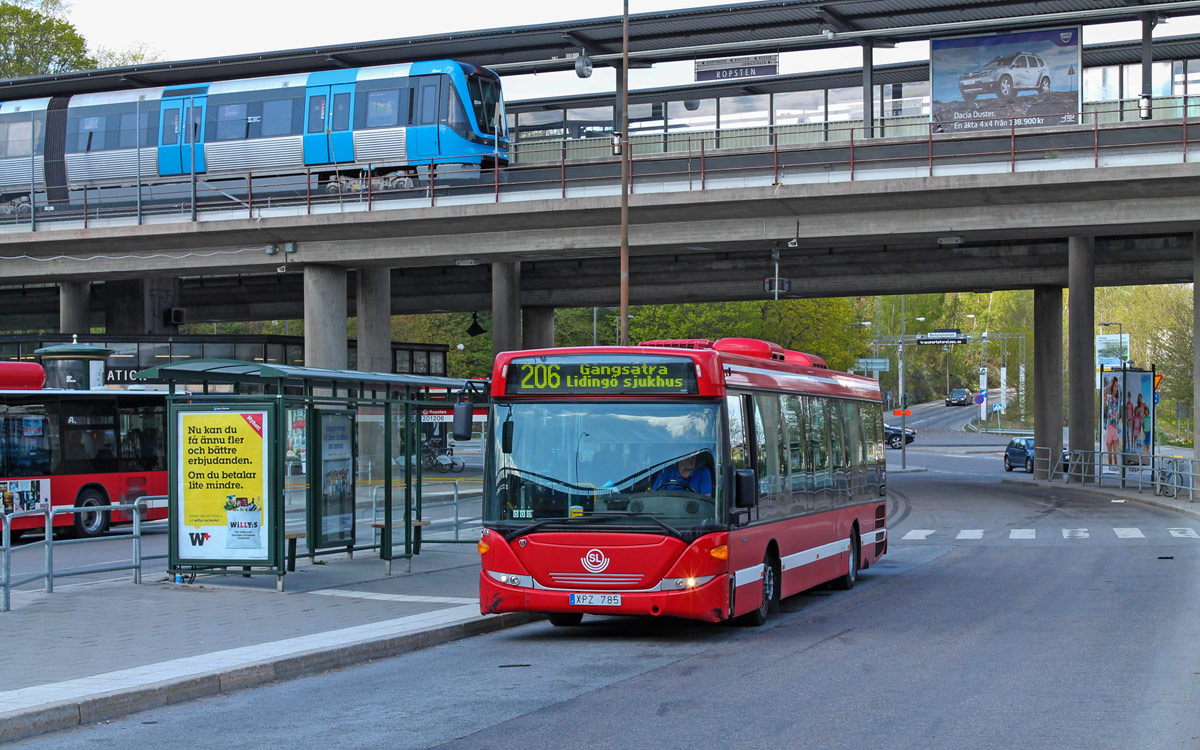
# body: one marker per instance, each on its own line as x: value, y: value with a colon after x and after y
x: 713, y: 31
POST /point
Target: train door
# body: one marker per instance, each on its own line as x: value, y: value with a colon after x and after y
x: 181, y: 126
x: 424, y: 132
x: 327, y: 136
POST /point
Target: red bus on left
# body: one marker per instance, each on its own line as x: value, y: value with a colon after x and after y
x: 77, y: 448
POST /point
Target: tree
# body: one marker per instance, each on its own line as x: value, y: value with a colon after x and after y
x: 37, y: 40
x: 136, y: 54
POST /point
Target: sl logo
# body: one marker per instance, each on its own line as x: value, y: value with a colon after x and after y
x: 595, y: 561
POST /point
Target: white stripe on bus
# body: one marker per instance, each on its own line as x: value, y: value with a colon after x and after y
x: 806, y: 557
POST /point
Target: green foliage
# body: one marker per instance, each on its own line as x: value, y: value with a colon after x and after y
x: 37, y: 40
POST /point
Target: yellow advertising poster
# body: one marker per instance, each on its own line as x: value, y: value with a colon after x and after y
x: 222, y: 493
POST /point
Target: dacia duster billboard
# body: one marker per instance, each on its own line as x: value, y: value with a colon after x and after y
x: 1022, y: 79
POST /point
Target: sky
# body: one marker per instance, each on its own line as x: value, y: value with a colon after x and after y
x: 233, y: 27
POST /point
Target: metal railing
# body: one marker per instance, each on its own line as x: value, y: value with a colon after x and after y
x: 694, y: 160
x: 48, y: 543
x: 1164, y: 475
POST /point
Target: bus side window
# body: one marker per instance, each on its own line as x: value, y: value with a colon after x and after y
x: 142, y: 447
x: 739, y: 455
x: 799, y: 457
x: 772, y: 455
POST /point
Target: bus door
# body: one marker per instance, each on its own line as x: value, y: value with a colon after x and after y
x: 423, y: 135
x: 182, y: 124
x: 745, y: 555
x: 327, y: 135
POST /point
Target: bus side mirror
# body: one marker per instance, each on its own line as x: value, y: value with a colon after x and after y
x: 745, y: 489
x: 463, y: 413
x: 506, y: 434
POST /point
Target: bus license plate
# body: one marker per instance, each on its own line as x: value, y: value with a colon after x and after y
x: 595, y: 600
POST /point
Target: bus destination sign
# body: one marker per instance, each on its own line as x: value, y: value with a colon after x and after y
x: 601, y: 376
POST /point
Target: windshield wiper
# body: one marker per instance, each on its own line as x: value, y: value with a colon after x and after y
x: 511, y: 535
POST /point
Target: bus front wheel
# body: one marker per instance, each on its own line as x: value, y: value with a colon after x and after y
x: 770, y: 593
x: 90, y: 523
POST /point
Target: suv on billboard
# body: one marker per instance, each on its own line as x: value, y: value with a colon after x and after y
x: 1006, y: 75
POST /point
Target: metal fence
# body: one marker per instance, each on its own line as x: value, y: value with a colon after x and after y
x: 1169, y: 476
x: 49, y: 543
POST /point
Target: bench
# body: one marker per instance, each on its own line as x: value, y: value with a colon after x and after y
x: 417, y: 526
x: 291, y: 538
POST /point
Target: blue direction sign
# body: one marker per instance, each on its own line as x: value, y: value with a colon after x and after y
x: 1156, y: 398
x: 980, y: 399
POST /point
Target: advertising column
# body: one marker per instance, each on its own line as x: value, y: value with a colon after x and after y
x: 335, y: 493
x: 222, y: 487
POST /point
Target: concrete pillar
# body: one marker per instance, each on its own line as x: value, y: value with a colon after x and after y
x: 537, y: 327
x: 373, y: 306
x: 74, y: 299
x: 1081, y: 344
x: 137, y: 306
x: 868, y: 49
x: 506, y: 307
x: 325, y: 317
x: 1047, y: 373
x: 1195, y: 338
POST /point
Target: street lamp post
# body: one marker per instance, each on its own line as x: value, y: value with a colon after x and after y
x: 625, y: 165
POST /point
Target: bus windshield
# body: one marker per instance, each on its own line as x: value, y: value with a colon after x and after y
x: 643, y: 464
x: 487, y: 103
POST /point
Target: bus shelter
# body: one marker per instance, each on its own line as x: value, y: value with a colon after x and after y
x: 266, y: 460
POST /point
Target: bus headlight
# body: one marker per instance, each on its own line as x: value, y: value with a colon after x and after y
x: 682, y: 584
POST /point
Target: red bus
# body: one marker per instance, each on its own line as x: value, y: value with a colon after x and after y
x: 77, y: 447
x: 688, y: 478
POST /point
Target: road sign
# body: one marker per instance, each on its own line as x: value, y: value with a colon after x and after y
x: 902, y: 413
x: 997, y: 407
x: 872, y: 365
x: 785, y: 285
x: 980, y: 398
x: 1157, y: 380
x: 929, y: 340
x: 1156, y: 398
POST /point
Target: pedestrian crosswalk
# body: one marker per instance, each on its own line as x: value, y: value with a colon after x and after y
x: 1117, y: 532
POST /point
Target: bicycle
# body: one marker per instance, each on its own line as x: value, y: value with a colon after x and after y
x: 1167, y: 478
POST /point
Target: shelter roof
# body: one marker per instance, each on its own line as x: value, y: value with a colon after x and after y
x: 230, y: 370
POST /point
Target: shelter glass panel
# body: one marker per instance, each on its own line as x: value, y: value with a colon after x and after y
x: 589, y: 122
x: 186, y: 351
x: 218, y: 351
x: 692, y: 114
x: 540, y: 125
x: 151, y: 354
x: 745, y: 111
x: 1160, y: 79
x: 646, y: 118
x: 248, y: 352
x: 906, y: 99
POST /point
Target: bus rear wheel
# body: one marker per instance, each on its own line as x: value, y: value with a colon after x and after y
x: 565, y: 619
x: 90, y: 523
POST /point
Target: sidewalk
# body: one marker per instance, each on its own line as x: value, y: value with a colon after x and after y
x: 1146, y: 496
x: 97, y: 651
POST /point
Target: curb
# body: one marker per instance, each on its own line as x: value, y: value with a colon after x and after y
x: 51, y: 717
x: 1151, y: 500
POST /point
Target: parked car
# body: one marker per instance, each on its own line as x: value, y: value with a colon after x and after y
x: 892, y: 436
x: 958, y: 397
x: 1005, y: 76
x: 1020, y: 452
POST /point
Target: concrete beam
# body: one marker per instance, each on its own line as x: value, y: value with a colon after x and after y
x: 373, y: 308
x: 1081, y: 349
x: 1047, y: 374
x: 506, y: 307
x: 537, y: 327
x: 325, y: 342
x: 74, y: 306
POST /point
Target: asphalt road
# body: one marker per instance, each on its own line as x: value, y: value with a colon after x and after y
x: 1005, y: 616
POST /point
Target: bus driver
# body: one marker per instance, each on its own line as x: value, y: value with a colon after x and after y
x: 685, y: 475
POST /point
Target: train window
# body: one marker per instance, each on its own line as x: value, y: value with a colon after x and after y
x: 341, y: 111
x: 231, y: 122
x: 429, y: 98
x: 17, y: 137
x: 170, y: 129
x: 383, y: 108
x: 316, y: 113
x: 127, y: 131
x: 276, y: 117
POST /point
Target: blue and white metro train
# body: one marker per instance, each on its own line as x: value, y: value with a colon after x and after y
x: 396, y: 118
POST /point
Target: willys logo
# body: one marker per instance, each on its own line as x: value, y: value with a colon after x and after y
x: 198, y: 538
x: 595, y: 561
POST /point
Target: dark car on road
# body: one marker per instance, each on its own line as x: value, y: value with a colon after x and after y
x: 1020, y: 452
x: 895, y: 438
x: 958, y: 397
